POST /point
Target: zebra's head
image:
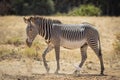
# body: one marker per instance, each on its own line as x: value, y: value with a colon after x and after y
x: 31, y: 30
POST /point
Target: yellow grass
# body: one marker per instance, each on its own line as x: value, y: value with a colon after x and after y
x: 12, y: 42
x: 14, y: 26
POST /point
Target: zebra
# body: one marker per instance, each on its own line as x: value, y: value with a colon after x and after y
x: 70, y: 36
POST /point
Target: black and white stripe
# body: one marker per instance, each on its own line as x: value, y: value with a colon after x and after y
x: 45, y: 26
x: 73, y: 32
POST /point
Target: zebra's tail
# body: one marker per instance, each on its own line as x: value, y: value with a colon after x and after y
x: 99, y: 46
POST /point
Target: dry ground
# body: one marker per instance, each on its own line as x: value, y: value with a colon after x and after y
x: 21, y: 63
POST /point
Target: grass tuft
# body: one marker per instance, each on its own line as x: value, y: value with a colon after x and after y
x: 15, y: 41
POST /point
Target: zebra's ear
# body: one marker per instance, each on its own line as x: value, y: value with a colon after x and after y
x: 35, y: 16
x: 25, y: 20
x: 32, y: 19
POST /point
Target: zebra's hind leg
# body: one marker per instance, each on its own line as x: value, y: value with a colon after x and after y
x: 102, y: 65
x: 94, y: 45
x: 83, y: 59
x: 48, y: 49
x: 57, y: 53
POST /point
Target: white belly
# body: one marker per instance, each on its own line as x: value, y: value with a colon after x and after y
x: 72, y: 44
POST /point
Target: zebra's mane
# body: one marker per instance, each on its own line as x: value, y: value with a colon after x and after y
x: 38, y: 19
x: 88, y: 23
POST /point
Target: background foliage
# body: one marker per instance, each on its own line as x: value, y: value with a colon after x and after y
x: 50, y: 7
x: 85, y: 10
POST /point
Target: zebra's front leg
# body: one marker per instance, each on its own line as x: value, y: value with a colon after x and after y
x: 48, y: 49
x: 83, y: 59
x: 57, y: 53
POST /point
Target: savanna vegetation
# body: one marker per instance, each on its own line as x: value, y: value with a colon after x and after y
x: 13, y: 48
x: 13, y: 35
x: 52, y: 7
x: 19, y: 62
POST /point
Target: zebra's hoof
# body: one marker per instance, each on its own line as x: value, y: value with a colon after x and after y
x: 56, y: 72
x: 76, y: 73
x: 102, y: 74
x: 48, y: 69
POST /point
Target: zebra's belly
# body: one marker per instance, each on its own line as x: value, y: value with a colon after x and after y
x: 72, y: 44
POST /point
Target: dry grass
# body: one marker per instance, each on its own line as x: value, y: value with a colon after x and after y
x: 13, y: 35
x: 12, y: 30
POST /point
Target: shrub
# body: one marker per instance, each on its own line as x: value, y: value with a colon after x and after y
x: 15, y: 41
x: 4, y: 51
x: 85, y: 10
x: 27, y: 7
x: 29, y: 52
x: 9, y: 53
x: 60, y: 14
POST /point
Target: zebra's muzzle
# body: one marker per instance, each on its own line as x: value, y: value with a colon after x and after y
x: 28, y: 43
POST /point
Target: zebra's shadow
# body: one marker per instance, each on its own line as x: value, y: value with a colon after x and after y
x: 71, y: 75
x: 82, y: 75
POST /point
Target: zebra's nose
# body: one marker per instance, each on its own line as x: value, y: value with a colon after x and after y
x: 28, y: 43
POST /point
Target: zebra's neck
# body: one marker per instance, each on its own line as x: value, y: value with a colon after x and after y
x: 45, y: 27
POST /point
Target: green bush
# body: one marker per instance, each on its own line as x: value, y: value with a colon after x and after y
x: 42, y: 7
x: 85, y: 10
x: 38, y: 7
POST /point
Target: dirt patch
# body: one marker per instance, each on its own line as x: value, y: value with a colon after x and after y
x: 58, y: 77
x: 30, y: 69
